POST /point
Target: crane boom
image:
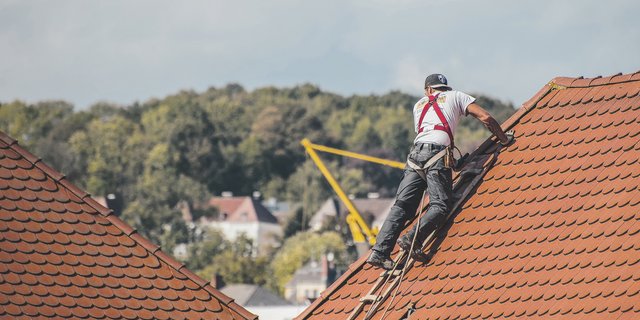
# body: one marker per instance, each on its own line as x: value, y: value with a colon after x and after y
x: 395, y: 164
x: 360, y: 230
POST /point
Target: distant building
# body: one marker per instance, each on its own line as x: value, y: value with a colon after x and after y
x: 277, y: 312
x: 310, y: 280
x: 253, y: 295
x: 280, y: 209
x: 258, y: 300
x: 244, y: 215
x: 373, y: 210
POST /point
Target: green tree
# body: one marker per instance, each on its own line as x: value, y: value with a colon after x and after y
x: 156, y: 196
x: 308, y: 187
x: 111, y: 150
x: 187, y: 131
x: 295, y: 223
x: 302, y: 248
x: 236, y: 263
x: 202, y: 253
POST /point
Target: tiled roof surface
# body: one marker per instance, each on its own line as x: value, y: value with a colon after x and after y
x: 552, y: 231
x: 62, y: 255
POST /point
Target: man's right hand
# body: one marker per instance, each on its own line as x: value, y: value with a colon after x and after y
x: 510, y: 138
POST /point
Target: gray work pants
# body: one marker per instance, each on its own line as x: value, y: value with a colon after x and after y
x: 408, y: 198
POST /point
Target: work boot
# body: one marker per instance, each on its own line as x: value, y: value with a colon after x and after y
x: 420, y: 256
x: 380, y: 260
x: 404, y: 243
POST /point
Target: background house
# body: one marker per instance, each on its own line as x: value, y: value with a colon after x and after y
x: 244, y: 215
x: 374, y: 210
x: 253, y: 295
x: 310, y: 280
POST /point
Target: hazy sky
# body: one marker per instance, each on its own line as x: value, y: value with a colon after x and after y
x: 122, y: 51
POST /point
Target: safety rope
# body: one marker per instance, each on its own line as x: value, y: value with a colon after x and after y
x: 406, y: 266
x: 376, y: 303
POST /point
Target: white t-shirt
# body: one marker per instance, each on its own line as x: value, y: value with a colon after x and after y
x: 453, y: 105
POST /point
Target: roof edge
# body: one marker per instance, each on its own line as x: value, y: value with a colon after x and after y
x: 8, y: 140
x: 581, y: 82
x: 557, y: 83
x: 124, y: 227
x: 513, y: 120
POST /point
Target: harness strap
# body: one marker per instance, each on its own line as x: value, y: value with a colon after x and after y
x: 433, y: 102
x: 421, y: 170
x: 424, y: 112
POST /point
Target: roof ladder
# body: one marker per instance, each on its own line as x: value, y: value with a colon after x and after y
x: 389, y: 280
x: 371, y: 297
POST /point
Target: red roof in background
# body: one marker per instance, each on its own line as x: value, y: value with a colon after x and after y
x: 63, y: 255
x: 552, y: 230
x: 242, y: 209
x: 227, y: 205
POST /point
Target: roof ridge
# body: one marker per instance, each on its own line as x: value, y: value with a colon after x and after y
x: 582, y: 82
x: 124, y: 227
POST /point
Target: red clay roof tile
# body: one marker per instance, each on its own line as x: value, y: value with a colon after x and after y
x: 65, y: 256
x: 551, y: 232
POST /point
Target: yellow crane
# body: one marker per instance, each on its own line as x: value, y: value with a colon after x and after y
x: 360, y: 230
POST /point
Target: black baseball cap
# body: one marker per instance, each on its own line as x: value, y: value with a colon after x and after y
x: 436, y: 80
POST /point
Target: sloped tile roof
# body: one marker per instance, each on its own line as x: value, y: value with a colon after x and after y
x: 62, y: 255
x: 552, y: 230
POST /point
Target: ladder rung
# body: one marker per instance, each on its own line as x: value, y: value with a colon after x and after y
x: 369, y: 298
x: 393, y: 273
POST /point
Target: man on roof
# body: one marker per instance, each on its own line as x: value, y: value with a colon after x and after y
x: 429, y: 167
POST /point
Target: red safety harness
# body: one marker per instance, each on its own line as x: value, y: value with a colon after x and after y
x: 433, y: 102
